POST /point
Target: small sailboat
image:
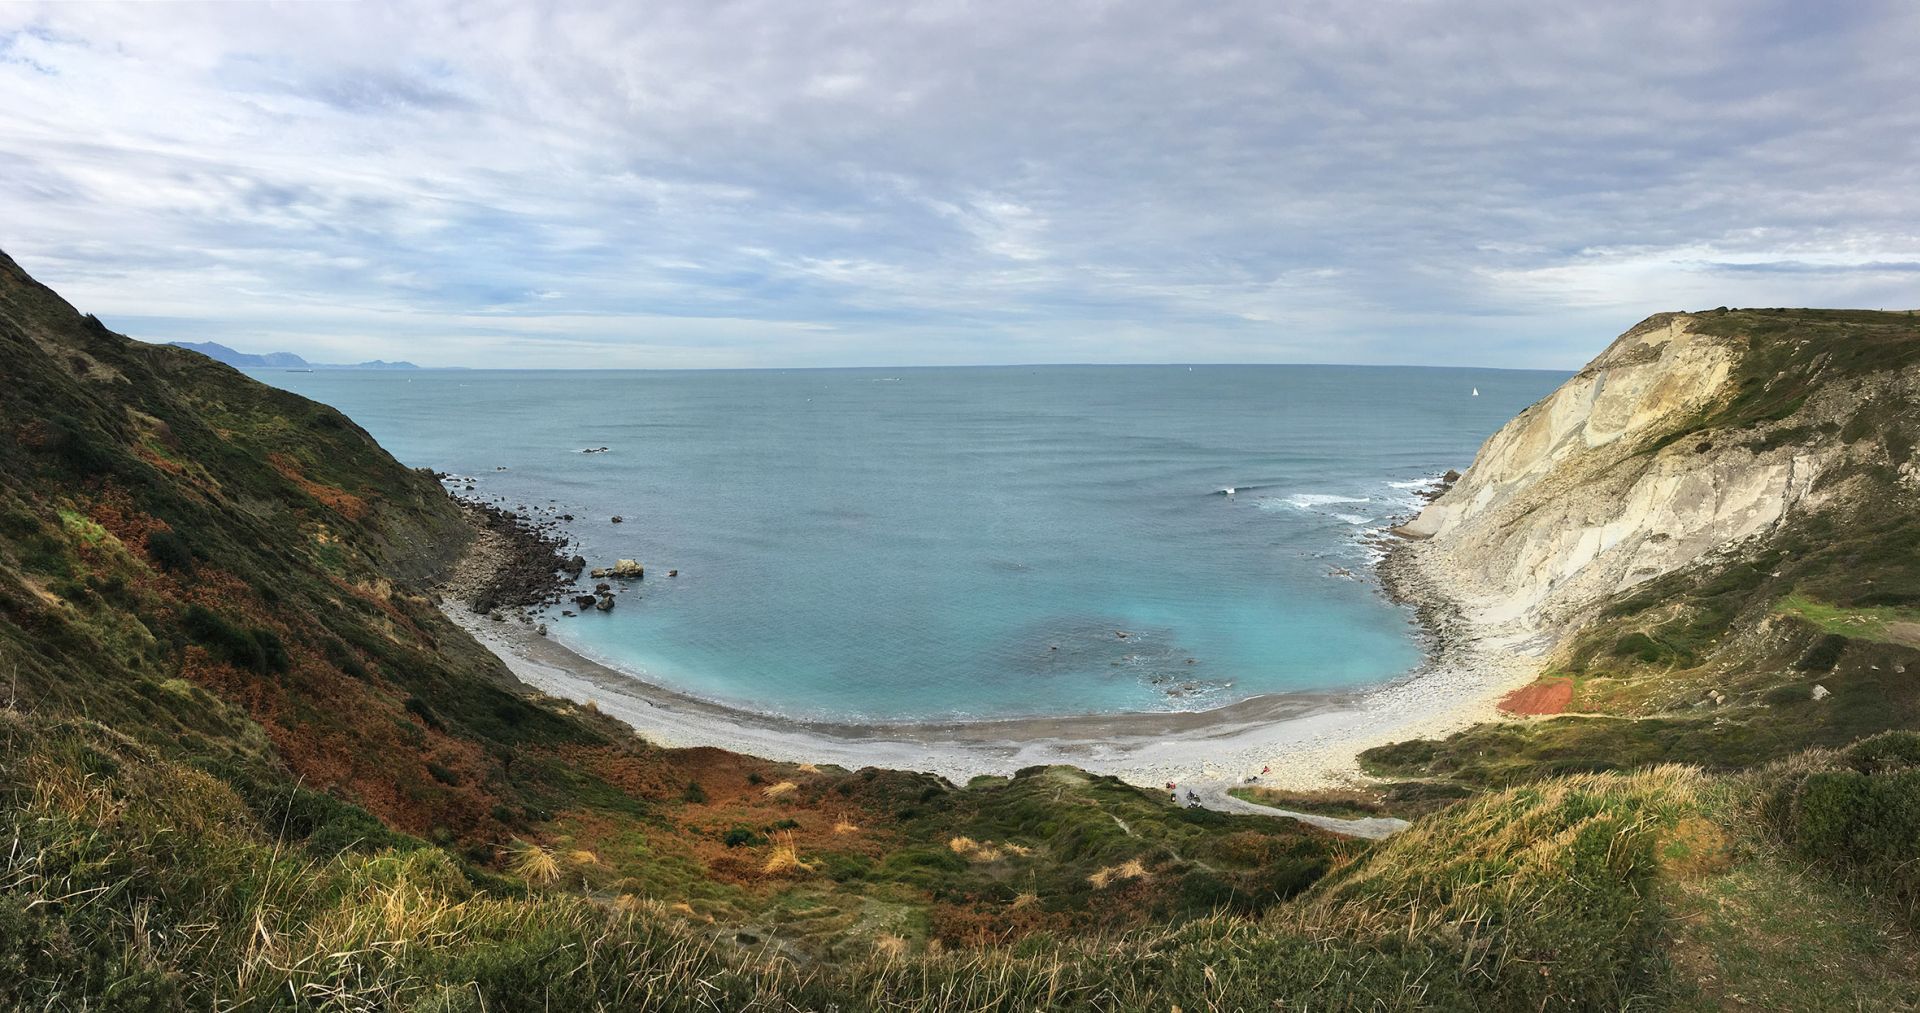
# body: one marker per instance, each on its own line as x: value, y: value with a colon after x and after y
x: 1476, y: 392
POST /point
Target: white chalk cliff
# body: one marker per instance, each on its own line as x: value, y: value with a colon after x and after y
x: 1577, y: 498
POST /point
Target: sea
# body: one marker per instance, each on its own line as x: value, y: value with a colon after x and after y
x: 933, y: 544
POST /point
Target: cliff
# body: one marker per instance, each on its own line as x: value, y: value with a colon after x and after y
x: 1711, y: 529
x: 1689, y: 435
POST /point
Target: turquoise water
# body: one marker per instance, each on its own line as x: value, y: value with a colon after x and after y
x: 900, y: 544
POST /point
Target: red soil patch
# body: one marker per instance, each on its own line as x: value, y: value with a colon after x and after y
x: 1547, y: 696
x: 340, y: 501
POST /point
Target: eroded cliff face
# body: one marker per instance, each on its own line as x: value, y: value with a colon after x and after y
x: 1619, y: 477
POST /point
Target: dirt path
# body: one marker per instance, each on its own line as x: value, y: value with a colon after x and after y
x: 1213, y: 795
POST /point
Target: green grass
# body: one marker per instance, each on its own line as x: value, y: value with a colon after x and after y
x: 1870, y: 623
x: 133, y: 882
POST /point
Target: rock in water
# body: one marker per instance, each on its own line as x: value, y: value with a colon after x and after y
x: 628, y: 569
x: 605, y: 604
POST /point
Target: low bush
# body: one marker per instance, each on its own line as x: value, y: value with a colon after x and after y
x: 1823, y: 655
x: 257, y: 650
x: 170, y: 552
x: 1858, y: 813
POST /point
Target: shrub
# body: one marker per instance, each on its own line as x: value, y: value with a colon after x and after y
x: 1859, y: 816
x: 694, y: 793
x: 258, y: 650
x: 418, y: 708
x: 170, y: 552
x: 1640, y: 647
x: 1885, y: 752
x: 1823, y: 655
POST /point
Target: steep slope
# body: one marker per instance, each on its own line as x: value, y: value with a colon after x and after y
x: 215, y: 566
x: 1714, y: 516
x: 234, y: 577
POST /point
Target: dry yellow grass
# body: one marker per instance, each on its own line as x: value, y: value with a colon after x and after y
x: 633, y: 904
x: 777, y: 790
x: 583, y: 858
x: 808, y: 768
x: 533, y: 863
x: 845, y: 826
x: 1024, y: 900
x: 784, y: 858
x: 985, y: 851
x: 1132, y: 868
x: 889, y: 946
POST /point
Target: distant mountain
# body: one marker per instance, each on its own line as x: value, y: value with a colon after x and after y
x: 221, y: 353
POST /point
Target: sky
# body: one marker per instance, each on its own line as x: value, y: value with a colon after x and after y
x: 768, y: 183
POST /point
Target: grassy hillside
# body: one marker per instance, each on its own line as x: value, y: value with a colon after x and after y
x: 231, y: 577
x: 245, y: 763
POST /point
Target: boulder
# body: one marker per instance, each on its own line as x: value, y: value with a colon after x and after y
x: 576, y: 564
x: 605, y: 604
x: 585, y: 601
x: 617, y: 518
x: 1821, y: 693
x: 627, y: 569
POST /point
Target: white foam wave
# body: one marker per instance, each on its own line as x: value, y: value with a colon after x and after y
x: 1309, y: 500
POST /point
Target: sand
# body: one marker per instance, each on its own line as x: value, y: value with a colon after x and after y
x: 1308, y: 740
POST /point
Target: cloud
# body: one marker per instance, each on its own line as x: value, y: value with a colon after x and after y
x: 761, y: 183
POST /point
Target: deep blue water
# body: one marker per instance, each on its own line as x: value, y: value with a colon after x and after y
x: 934, y: 543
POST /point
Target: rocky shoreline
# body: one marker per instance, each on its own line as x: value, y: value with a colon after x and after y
x: 515, y: 563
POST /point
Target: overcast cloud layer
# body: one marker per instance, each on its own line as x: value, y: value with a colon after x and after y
x: 776, y: 183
